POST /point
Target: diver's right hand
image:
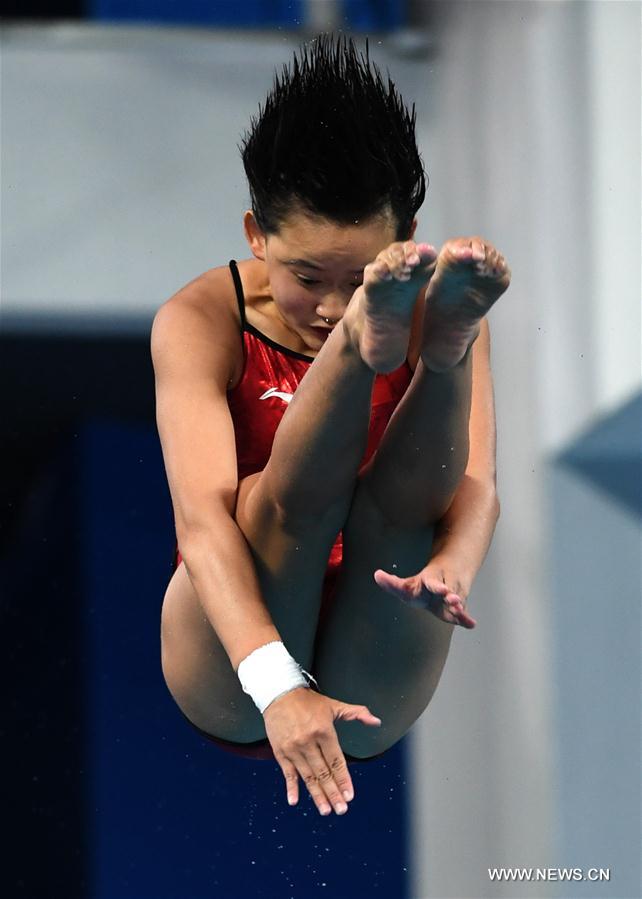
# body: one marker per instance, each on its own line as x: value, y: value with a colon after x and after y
x: 300, y: 728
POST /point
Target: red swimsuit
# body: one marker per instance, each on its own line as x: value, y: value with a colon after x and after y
x: 271, y: 374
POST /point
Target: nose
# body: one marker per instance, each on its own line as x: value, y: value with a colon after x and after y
x: 333, y: 306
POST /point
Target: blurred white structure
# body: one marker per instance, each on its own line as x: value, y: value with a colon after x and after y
x: 323, y: 15
x: 536, y: 144
x: 121, y: 181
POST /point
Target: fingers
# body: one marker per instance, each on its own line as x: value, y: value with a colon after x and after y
x: 324, y: 771
x: 344, y: 712
x: 291, y: 779
x: 405, y: 587
x: 427, y: 593
x: 412, y: 590
x: 321, y: 764
x: 300, y: 728
x: 456, y: 607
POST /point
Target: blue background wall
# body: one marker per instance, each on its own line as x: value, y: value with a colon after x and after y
x: 355, y: 14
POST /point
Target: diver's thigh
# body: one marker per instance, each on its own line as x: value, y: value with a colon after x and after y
x: 197, y: 669
x: 372, y: 648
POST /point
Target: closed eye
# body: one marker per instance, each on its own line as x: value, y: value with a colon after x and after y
x: 310, y: 281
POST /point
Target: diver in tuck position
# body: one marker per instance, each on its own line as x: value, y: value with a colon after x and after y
x: 326, y: 415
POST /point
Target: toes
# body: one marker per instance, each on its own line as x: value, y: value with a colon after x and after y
x: 418, y: 254
x: 395, y: 255
x: 401, y: 267
x: 486, y: 260
x: 401, y: 262
x: 409, y: 258
x: 459, y: 250
x: 379, y: 270
x: 496, y: 264
x: 393, y: 261
x: 479, y: 249
x: 427, y: 252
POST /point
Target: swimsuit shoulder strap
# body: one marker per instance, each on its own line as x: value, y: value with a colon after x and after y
x: 239, y: 291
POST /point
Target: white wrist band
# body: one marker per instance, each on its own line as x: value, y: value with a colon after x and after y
x: 269, y: 672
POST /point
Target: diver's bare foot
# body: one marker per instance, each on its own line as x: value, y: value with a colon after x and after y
x: 470, y: 275
x: 378, y: 318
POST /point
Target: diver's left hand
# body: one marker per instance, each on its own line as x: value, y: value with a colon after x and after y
x: 428, y: 590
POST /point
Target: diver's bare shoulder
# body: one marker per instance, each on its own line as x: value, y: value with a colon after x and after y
x: 207, y: 305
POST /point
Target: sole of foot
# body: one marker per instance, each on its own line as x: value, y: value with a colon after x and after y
x: 379, y: 315
x: 470, y: 276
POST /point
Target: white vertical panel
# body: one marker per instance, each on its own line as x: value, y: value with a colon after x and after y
x: 614, y: 147
x: 482, y: 752
x: 525, y: 93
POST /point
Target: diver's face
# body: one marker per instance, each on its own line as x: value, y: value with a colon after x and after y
x: 315, y: 265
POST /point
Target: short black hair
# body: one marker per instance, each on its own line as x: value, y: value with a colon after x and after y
x: 334, y: 139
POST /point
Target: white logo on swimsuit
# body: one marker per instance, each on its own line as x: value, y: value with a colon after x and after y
x: 286, y: 397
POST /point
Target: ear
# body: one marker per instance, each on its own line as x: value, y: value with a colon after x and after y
x: 253, y: 234
x: 413, y: 228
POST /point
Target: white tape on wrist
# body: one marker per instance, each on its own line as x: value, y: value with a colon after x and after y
x: 269, y: 672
